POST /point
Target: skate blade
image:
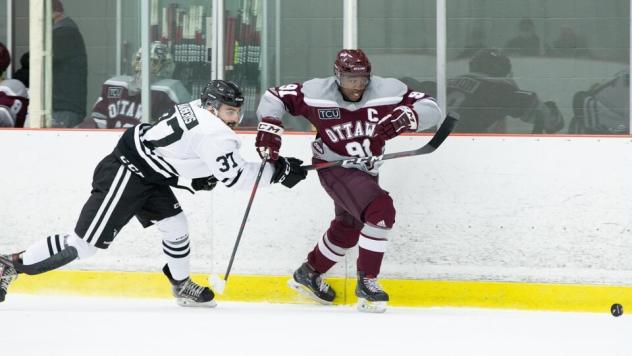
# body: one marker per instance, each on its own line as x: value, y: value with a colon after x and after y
x: 183, y: 302
x: 367, y: 306
x: 306, y: 292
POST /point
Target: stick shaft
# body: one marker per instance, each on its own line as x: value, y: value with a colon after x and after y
x: 245, y: 218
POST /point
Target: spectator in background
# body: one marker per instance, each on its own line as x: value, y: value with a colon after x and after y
x: 22, y: 74
x: 70, y: 70
x: 485, y: 97
x: 476, y: 40
x: 527, y: 42
x: 13, y: 95
x: 5, y: 59
x: 119, y: 105
x: 569, y: 44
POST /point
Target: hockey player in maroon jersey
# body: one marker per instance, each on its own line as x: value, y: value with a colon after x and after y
x: 119, y: 105
x: 354, y: 113
x: 14, y: 101
x: 13, y: 95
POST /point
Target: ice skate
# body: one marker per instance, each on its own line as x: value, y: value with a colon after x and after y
x: 371, y: 297
x: 189, y: 293
x: 310, y: 283
x: 7, y: 274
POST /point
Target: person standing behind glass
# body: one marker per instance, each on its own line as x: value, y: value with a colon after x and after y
x: 70, y: 70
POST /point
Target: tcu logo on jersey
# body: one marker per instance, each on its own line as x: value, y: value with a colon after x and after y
x: 114, y: 92
x: 329, y: 114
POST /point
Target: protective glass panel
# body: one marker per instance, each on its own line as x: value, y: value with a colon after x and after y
x: 561, y: 66
x: 300, y: 39
x: 399, y: 38
x: 180, y: 51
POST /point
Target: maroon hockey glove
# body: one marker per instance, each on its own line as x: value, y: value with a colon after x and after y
x: 268, y: 138
x: 402, y: 118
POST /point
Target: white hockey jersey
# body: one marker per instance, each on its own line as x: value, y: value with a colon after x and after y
x: 189, y: 143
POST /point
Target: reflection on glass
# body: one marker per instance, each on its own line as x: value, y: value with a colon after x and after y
x: 562, y: 53
x: 182, y: 27
x: 400, y: 38
x: 178, y: 64
x: 301, y: 44
x: 242, y: 52
x: 70, y: 69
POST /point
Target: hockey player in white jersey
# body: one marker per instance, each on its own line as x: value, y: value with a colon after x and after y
x: 192, y: 147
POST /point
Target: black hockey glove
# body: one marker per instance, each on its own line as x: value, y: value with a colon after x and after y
x: 206, y: 183
x: 288, y: 171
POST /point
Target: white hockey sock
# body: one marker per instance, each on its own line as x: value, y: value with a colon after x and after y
x: 177, y: 254
x: 43, y: 249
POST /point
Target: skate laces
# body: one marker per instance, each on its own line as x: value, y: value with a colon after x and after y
x: 7, y: 271
x: 372, y: 285
x: 191, y: 289
x: 322, y: 285
x: 7, y: 275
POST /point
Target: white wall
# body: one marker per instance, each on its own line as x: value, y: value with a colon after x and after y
x: 546, y: 209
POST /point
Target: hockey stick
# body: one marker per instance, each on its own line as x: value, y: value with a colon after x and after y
x: 442, y: 133
x: 217, y: 283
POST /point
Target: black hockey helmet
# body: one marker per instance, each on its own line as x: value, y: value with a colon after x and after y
x: 218, y: 92
x: 492, y: 62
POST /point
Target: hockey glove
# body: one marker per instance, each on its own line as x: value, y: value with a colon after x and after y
x: 288, y: 171
x: 402, y: 118
x: 268, y: 138
x: 554, y: 121
x: 206, y: 183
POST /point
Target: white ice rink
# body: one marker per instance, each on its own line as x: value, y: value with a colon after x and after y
x: 77, y: 326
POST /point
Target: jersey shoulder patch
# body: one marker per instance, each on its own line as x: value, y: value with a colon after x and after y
x: 188, y: 115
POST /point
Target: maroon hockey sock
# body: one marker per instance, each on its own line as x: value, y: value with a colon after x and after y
x: 369, y: 262
x: 318, y: 261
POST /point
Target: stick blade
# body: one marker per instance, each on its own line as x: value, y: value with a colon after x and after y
x: 443, y: 132
x: 217, y: 284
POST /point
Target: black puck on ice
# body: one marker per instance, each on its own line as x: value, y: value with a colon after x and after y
x: 616, y: 309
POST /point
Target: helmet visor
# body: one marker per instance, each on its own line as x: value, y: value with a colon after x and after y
x: 350, y: 81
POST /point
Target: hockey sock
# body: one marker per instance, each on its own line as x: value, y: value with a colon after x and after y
x: 333, y: 246
x: 373, y: 242
x: 177, y: 253
x: 46, y: 255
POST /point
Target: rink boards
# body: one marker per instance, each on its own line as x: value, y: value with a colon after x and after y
x: 513, y: 221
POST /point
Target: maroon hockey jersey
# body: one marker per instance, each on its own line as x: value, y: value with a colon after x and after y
x: 119, y: 105
x: 13, y: 103
x: 345, y: 129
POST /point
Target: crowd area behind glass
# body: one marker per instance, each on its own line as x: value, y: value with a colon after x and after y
x: 535, y: 66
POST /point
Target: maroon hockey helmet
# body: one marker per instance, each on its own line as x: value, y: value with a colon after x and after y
x: 5, y: 58
x: 352, y: 62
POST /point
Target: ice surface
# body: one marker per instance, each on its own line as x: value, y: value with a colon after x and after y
x: 79, y: 326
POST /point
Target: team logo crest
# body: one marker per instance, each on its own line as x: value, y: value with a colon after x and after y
x: 114, y: 92
x: 318, y: 147
x: 329, y: 114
